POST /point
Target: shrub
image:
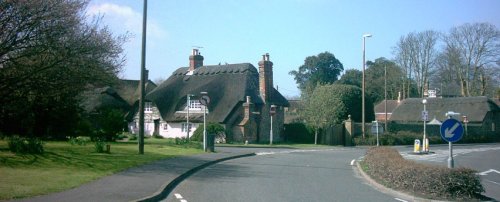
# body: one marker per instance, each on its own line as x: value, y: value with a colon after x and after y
x: 212, y: 128
x: 299, y: 133
x: 157, y: 136
x: 181, y: 140
x: 388, y: 167
x: 400, y: 138
x: 99, y: 146
x: 132, y: 136
x: 80, y: 140
x: 25, y: 145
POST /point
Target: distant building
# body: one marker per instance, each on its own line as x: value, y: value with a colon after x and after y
x: 240, y: 99
x: 479, y: 111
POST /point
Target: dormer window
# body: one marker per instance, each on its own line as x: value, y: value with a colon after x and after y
x: 148, y: 107
x: 195, y: 105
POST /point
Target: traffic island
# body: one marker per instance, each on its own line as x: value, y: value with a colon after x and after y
x: 387, y: 167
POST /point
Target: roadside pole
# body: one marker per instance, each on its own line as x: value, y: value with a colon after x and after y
x: 451, y: 131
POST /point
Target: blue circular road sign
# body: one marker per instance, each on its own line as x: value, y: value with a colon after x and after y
x: 451, y: 130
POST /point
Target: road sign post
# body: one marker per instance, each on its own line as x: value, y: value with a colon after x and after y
x: 204, y: 100
x: 451, y: 131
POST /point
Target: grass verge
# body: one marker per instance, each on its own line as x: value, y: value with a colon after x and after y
x: 63, y: 166
x: 386, y: 166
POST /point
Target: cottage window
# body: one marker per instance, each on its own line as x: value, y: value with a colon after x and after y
x: 195, y: 104
x: 148, y: 107
x: 184, y: 127
x: 165, y: 126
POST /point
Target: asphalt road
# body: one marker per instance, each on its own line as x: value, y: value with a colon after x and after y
x: 287, y: 175
x: 484, y: 158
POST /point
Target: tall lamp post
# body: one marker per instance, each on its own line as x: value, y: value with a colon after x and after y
x: 424, y: 117
x: 142, y: 82
x: 363, y: 87
x: 204, y: 100
x: 385, y: 96
x: 187, y: 118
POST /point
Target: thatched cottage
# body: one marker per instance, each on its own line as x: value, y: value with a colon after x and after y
x: 240, y: 100
x: 480, y: 112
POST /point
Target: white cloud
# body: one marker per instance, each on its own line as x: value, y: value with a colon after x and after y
x: 125, y: 19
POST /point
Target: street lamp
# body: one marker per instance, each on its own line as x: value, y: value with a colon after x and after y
x: 187, y: 118
x: 385, y: 95
x: 204, y: 120
x: 424, y: 117
x: 363, y: 87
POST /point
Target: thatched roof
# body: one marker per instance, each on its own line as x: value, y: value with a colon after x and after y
x: 123, y: 95
x: 475, y: 108
x: 391, y: 105
x: 102, y: 98
x: 226, y: 85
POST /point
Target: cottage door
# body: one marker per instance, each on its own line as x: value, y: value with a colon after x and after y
x: 157, y: 127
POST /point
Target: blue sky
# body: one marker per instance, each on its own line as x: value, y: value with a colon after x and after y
x: 235, y: 31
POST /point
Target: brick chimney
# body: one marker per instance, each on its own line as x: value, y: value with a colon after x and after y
x: 195, y: 60
x: 265, y: 77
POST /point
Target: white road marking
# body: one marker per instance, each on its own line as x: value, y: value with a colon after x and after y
x: 353, y: 161
x: 182, y: 200
x: 398, y: 199
x: 298, y: 151
x: 493, y: 182
x: 489, y: 171
x: 178, y: 196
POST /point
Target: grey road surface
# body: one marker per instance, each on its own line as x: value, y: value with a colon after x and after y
x: 289, y: 175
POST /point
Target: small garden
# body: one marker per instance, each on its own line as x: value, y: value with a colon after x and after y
x: 387, y: 167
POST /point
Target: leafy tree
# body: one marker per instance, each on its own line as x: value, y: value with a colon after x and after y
x: 376, y: 79
x: 49, y: 54
x: 351, y: 77
x: 321, y: 69
x: 332, y: 103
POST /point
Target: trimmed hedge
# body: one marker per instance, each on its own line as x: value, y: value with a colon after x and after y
x: 389, y: 168
x: 408, y: 138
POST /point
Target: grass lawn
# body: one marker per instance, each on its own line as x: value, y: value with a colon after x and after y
x: 64, y: 166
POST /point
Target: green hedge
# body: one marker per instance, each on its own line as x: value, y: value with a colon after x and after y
x: 299, y: 133
x: 388, y: 167
x: 408, y: 138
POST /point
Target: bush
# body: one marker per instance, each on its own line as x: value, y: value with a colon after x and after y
x: 388, y: 167
x: 212, y: 128
x: 157, y: 136
x: 25, y: 145
x: 181, y: 140
x: 80, y: 140
x: 299, y: 133
x: 400, y: 138
x: 99, y: 146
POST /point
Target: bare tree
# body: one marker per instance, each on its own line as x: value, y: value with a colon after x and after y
x: 416, y: 54
x: 472, y: 51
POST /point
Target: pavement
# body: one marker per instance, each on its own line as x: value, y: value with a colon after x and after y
x: 150, y: 182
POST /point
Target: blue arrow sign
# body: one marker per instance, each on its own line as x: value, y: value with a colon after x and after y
x: 451, y: 130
